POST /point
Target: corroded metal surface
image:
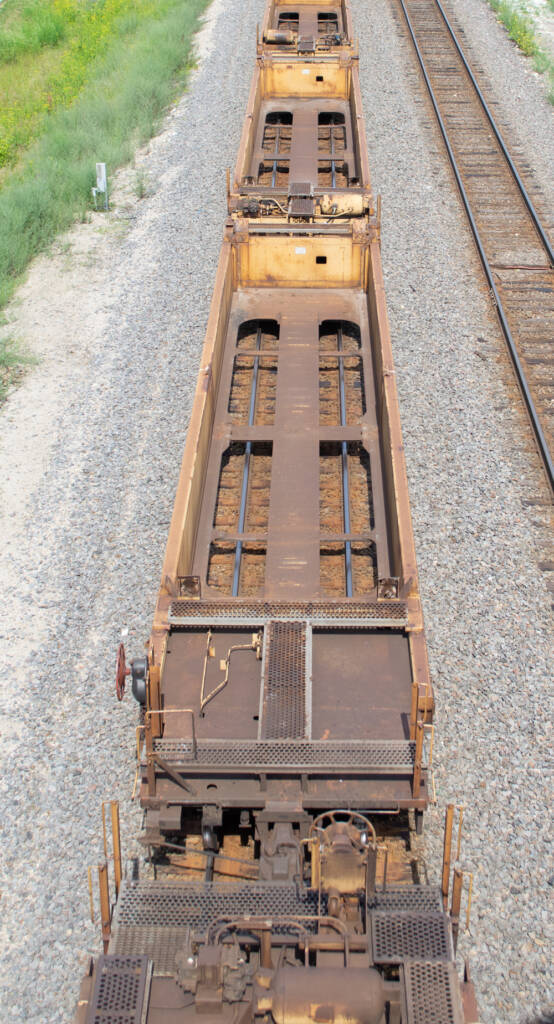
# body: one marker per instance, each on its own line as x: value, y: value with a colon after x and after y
x: 306, y: 28
x: 285, y: 733
x: 303, y: 153
x: 294, y: 547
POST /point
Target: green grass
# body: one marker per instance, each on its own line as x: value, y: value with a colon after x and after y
x: 37, y: 73
x: 32, y: 25
x: 142, y: 189
x: 519, y: 26
x: 13, y: 362
x: 521, y: 30
x: 41, y: 79
x: 114, y: 102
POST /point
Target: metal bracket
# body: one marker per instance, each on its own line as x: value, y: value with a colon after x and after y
x: 189, y: 586
x: 387, y: 588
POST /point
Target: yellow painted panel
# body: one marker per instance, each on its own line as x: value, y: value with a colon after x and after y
x: 307, y: 3
x: 332, y: 262
x: 303, y: 79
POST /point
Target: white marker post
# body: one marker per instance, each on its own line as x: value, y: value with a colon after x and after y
x: 101, y: 185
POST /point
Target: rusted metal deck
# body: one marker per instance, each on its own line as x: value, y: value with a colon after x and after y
x: 290, y: 575
x: 306, y: 28
x: 286, y: 732
x: 303, y: 153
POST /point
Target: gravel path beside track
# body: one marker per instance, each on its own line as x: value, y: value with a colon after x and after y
x: 90, y: 449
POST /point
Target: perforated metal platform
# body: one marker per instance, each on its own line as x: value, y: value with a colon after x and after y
x: 177, y: 904
x: 159, y: 944
x: 290, y: 756
x: 284, y: 684
x: 355, y: 614
x: 151, y: 918
x: 121, y: 986
x: 432, y: 993
x: 397, y: 936
x: 418, y: 898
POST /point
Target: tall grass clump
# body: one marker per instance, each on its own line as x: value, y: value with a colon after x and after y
x: 13, y: 362
x: 521, y: 30
x: 39, y: 23
x: 119, y: 109
x: 38, y: 84
x: 519, y: 26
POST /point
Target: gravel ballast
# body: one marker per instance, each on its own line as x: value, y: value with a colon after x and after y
x: 90, y: 449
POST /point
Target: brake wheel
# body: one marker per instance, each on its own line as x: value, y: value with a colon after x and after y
x: 121, y: 672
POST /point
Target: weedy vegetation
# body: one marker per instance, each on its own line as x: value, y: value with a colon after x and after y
x: 84, y: 82
x: 142, y: 188
x: 522, y: 31
x: 29, y: 26
x: 14, y: 360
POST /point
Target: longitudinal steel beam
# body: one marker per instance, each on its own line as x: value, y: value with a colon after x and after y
x: 344, y: 460
x: 246, y: 470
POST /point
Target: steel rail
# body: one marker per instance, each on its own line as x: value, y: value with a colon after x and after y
x: 524, y: 194
x: 541, y: 441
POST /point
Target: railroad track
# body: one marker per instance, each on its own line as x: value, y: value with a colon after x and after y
x: 513, y: 243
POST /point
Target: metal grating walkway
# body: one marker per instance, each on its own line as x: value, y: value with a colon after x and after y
x: 156, y: 942
x: 422, y: 899
x: 432, y: 992
x: 290, y: 756
x: 397, y: 936
x: 255, y: 613
x: 152, y: 918
x: 121, y: 987
x: 177, y: 904
x: 284, y: 695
